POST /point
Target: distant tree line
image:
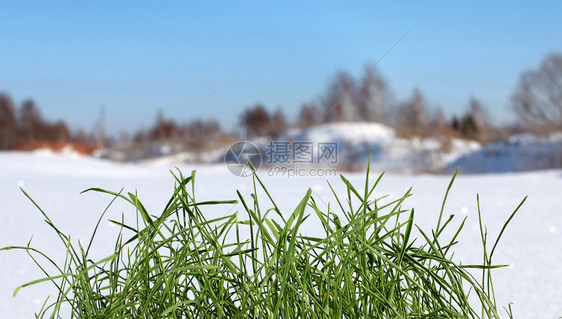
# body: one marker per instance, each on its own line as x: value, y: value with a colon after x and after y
x: 25, y: 124
x: 370, y: 99
x: 536, y: 101
x: 167, y: 136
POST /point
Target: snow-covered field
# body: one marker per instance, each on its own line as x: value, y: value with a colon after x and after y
x: 532, y: 244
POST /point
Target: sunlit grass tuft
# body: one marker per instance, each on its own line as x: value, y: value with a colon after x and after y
x: 180, y: 264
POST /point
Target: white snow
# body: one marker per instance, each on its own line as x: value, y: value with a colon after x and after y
x: 531, y: 246
x: 67, y: 151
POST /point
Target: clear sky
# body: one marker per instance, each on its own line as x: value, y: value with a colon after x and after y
x: 74, y: 58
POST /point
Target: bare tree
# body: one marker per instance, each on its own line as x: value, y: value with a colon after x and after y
x: 163, y: 129
x: 438, y: 120
x: 202, y: 134
x: 484, y: 130
x: 419, y: 111
x: 440, y: 128
x: 309, y: 115
x: 537, y: 100
x: 257, y: 120
x: 8, y: 124
x: 372, y: 97
x: 412, y: 115
x: 31, y: 121
x: 338, y: 103
x: 278, y: 123
x: 59, y: 132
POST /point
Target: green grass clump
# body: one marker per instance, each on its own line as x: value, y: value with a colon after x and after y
x: 183, y: 264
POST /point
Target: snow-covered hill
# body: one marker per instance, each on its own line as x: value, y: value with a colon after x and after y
x: 519, y: 153
x: 390, y: 152
x: 531, y: 246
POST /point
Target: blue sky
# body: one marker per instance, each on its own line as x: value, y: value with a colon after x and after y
x: 75, y: 58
